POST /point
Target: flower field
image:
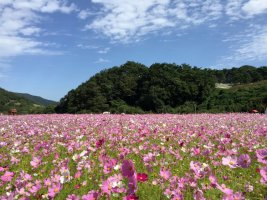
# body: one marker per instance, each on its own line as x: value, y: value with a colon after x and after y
x: 146, y: 157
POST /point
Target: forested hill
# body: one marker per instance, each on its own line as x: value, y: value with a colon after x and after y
x: 24, y: 103
x: 9, y: 100
x: 171, y: 88
x: 37, y: 99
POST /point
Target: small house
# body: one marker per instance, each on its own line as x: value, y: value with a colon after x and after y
x: 254, y: 111
x: 12, y: 111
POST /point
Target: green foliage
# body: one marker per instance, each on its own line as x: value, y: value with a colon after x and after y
x: 166, y: 88
x: 9, y: 100
x: 36, y: 99
x: 23, y: 104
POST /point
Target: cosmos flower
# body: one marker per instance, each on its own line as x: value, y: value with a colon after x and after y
x: 243, y: 161
x: 92, y: 195
x: 263, y: 173
x: 230, y: 161
x: 72, y: 197
x: 54, y: 189
x: 127, y: 168
x: 131, y: 197
x: 198, y: 195
x: 233, y: 196
x: 35, y: 162
x: 142, y: 177
x: 165, y: 174
x: 7, y: 177
x: 262, y: 155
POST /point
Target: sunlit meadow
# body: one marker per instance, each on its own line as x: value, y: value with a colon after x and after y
x: 146, y: 157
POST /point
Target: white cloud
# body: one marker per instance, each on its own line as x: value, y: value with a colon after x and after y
x: 127, y: 20
x: 104, y: 51
x: 251, y: 45
x: 84, y: 14
x: 19, y: 20
x: 243, y: 9
x: 254, y: 7
x: 101, y: 60
x: 83, y: 46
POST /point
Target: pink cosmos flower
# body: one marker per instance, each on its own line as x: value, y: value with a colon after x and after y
x: 132, y: 184
x: 165, y: 174
x: 106, y: 187
x: 235, y: 196
x: 262, y: 155
x: 127, y: 168
x: 78, y: 174
x: 7, y: 177
x: 35, y: 188
x: 263, y: 173
x: 142, y: 177
x: 244, y: 161
x: 213, y: 180
x: 131, y: 197
x: 224, y: 189
x: 47, y: 182
x: 35, y: 162
x: 198, y: 195
x: 72, y: 197
x: 99, y: 143
x: 92, y: 195
x: 2, y: 169
x: 231, y: 161
x: 52, y: 191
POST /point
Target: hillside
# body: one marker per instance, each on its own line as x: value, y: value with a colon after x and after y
x: 168, y: 88
x: 37, y: 99
x: 9, y: 100
x: 239, y: 98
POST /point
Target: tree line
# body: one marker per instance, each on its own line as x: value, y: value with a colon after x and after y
x: 167, y: 88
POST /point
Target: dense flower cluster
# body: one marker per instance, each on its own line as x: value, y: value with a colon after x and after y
x: 90, y: 157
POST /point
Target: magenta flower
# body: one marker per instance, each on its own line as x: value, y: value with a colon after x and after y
x: 35, y: 188
x: 213, y: 180
x: 142, y: 177
x: 99, y: 143
x: 262, y: 155
x: 92, y: 195
x: 230, y: 161
x: 198, y: 195
x: 132, y: 184
x: 224, y: 189
x: 131, y: 197
x: 106, y: 187
x: 7, y: 177
x: 165, y: 174
x: 78, y: 174
x: 35, y: 162
x: 127, y: 168
x: 2, y: 169
x: 244, y: 161
x: 263, y: 173
x: 52, y: 191
x: 72, y: 197
x: 235, y: 196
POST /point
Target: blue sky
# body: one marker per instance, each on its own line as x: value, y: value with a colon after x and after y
x: 48, y: 47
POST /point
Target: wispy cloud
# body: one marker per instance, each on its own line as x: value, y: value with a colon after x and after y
x: 84, y: 46
x: 127, y: 20
x: 104, y: 51
x: 19, y: 22
x: 250, y: 45
x: 84, y: 14
x: 101, y: 60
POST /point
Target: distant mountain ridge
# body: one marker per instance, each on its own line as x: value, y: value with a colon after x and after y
x: 36, y: 99
x: 24, y: 103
